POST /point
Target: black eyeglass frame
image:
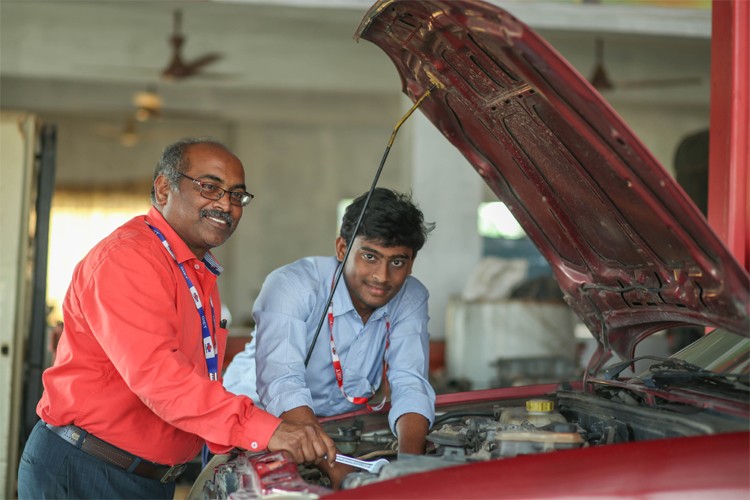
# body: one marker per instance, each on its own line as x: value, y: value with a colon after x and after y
x: 237, y: 202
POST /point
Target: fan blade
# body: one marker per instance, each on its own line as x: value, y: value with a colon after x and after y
x: 202, y: 61
x: 179, y: 69
x: 601, y: 81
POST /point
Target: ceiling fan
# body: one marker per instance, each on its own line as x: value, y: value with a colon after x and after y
x: 143, y: 121
x: 178, y: 68
x: 126, y: 134
x: 601, y: 80
x: 149, y: 106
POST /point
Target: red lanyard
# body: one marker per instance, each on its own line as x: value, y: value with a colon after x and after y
x: 340, y: 373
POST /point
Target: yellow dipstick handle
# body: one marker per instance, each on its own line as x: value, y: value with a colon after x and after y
x: 408, y: 114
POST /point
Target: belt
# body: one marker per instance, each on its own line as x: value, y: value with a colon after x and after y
x: 111, y: 454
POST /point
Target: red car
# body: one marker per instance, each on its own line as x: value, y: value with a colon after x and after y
x: 632, y: 255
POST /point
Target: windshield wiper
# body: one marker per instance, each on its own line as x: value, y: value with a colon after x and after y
x: 613, y: 371
x: 661, y: 377
x: 672, y: 370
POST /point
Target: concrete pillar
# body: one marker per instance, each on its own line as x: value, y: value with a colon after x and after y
x: 448, y: 191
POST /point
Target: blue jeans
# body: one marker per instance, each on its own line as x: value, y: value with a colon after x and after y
x: 53, y: 468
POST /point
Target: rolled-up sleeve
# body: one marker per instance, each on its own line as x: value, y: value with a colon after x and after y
x: 408, y: 357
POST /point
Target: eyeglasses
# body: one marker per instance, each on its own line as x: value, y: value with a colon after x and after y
x: 213, y: 192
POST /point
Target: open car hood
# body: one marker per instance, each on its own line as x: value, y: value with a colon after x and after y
x: 631, y: 252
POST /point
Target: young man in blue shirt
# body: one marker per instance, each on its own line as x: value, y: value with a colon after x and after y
x: 377, y: 319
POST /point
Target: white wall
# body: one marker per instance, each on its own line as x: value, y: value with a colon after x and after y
x: 448, y: 191
x: 661, y: 128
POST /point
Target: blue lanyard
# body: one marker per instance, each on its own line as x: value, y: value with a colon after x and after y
x: 209, y: 349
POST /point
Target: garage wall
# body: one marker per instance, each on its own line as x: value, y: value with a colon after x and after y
x: 662, y: 127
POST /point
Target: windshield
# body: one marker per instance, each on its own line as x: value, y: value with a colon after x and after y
x: 719, y: 351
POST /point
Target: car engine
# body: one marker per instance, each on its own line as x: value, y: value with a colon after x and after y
x: 464, y: 433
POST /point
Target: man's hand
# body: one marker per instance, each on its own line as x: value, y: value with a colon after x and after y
x: 304, y: 414
x: 306, y: 442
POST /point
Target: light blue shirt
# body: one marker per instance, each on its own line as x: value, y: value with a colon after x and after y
x: 287, y: 312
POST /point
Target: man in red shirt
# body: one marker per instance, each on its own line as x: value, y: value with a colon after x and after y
x: 135, y: 389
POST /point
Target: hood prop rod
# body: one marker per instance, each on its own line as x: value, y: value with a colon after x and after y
x: 340, y: 268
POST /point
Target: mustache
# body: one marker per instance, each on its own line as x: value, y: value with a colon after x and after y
x: 381, y: 285
x: 218, y: 214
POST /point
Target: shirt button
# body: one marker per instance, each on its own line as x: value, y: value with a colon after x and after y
x: 197, y: 266
x: 254, y: 445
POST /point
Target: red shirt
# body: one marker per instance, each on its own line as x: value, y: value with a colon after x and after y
x: 130, y: 367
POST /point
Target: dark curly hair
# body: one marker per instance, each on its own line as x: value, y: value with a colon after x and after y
x: 391, y: 219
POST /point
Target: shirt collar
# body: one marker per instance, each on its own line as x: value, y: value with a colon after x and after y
x: 179, y: 247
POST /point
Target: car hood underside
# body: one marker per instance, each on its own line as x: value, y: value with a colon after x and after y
x: 631, y: 252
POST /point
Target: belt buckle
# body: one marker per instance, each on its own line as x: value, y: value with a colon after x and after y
x: 173, y: 473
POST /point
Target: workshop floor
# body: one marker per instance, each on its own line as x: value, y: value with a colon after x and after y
x: 181, y: 491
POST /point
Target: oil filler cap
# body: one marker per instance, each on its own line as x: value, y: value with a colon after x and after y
x: 540, y: 405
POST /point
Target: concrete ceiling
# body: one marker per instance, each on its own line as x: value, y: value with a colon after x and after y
x: 92, y: 56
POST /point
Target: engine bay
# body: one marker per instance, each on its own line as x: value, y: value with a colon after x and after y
x: 464, y: 433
